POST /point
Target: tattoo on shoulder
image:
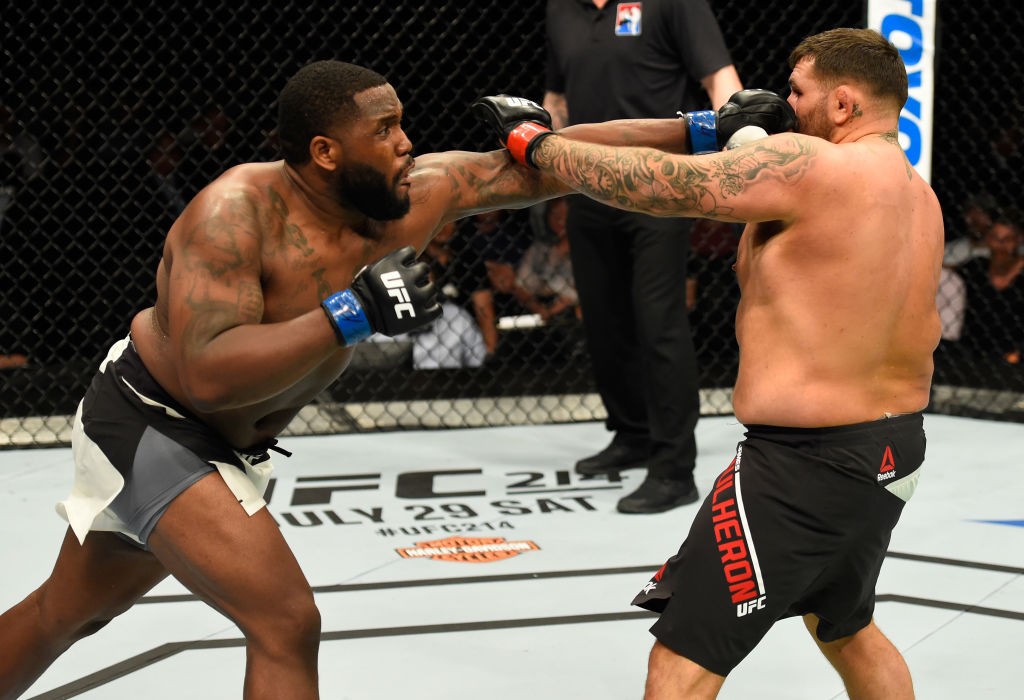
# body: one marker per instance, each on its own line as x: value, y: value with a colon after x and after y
x: 277, y: 203
x: 661, y: 183
x: 216, y: 249
x: 221, y: 237
x: 291, y: 234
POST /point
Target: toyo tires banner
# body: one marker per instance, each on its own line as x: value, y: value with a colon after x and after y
x: 910, y: 25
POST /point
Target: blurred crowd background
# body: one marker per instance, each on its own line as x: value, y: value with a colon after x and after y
x: 112, y: 116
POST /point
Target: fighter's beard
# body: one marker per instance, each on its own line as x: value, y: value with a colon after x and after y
x: 367, y: 190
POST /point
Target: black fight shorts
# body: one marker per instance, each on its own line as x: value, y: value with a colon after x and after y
x: 136, y: 449
x: 798, y: 523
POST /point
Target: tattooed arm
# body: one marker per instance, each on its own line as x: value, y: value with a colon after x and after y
x: 758, y: 182
x: 469, y: 183
x: 225, y: 358
x: 454, y: 184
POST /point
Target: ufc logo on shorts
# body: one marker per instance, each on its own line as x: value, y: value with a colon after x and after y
x: 521, y: 102
x: 396, y: 288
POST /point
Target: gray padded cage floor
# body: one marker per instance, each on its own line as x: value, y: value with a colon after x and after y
x: 553, y: 619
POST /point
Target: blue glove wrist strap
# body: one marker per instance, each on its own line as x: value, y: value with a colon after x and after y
x: 703, y: 131
x: 347, y: 316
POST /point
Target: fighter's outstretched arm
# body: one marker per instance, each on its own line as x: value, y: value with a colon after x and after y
x: 463, y: 183
x: 470, y: 182
x: 669, y: 135
x: 756, y: 182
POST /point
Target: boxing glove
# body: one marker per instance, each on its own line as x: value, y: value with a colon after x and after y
x: 520, y: 124
x: 391, y: 295
x: 712, y: 131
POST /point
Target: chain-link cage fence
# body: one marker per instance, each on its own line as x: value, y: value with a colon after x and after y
x: 114, y: 115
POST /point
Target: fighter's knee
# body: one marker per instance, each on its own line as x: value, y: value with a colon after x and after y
x: 58, y: 614
x: 306, y: 624
x: 288, y: 627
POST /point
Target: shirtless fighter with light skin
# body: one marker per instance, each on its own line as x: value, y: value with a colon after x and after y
x: 838, y: 266
x: 238, y: 342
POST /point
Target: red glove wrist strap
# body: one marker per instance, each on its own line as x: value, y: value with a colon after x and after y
x: 519, y: 138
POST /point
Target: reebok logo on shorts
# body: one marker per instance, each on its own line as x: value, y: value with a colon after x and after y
x: 735, y: 548
x: 888, y: 468
x: 653, y: 583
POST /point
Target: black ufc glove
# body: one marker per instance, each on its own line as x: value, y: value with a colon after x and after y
x: 711, y: 131
x: 520, y: 124
x: 761, y: 108
x: 392, y: 295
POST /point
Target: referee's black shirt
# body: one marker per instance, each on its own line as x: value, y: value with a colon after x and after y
x: 652, y: 68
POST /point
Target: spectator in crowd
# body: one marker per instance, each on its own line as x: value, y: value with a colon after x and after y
x: 466, y: 332
x: 21, y: 156
x: 210, y: 144
x: 952, y: 302
x: 975, y: 222
x: 495, y: 239
x: 712, y: 295
x: 1008, y: 143
x: 167, y: 196
x: 994, y: 318
x: 451, y: 341
x: 543, y: 279
x: 22, y: 162
x: 634, y: 60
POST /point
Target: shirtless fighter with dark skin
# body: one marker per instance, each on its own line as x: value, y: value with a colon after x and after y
x: 238, y: 337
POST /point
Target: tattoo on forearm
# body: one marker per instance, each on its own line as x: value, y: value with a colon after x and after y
x: 655, y: 182
x: 491, y: 187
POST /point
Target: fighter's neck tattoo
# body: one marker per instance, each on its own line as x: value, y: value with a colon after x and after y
x: 857, y: 111
x: 892, y: 136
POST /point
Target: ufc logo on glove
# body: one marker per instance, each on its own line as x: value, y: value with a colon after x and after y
x: 521, y: 102
x: 396, y: 288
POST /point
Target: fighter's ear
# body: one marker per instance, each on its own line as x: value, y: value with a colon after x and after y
x: 845, y: 104
x: 325, y: 152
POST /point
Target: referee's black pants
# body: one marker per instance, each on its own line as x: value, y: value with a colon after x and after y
x: 630, y: 272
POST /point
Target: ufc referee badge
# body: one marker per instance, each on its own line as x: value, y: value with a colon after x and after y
x: 627, y: 19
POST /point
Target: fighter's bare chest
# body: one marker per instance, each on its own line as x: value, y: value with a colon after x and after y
x: 303, y: 267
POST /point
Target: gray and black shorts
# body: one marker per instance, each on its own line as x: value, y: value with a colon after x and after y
x: 136, y: 449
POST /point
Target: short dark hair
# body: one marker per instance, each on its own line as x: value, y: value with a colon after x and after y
x: 316, y: 98
x: 1010, y: 216
x: 858, y: 55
